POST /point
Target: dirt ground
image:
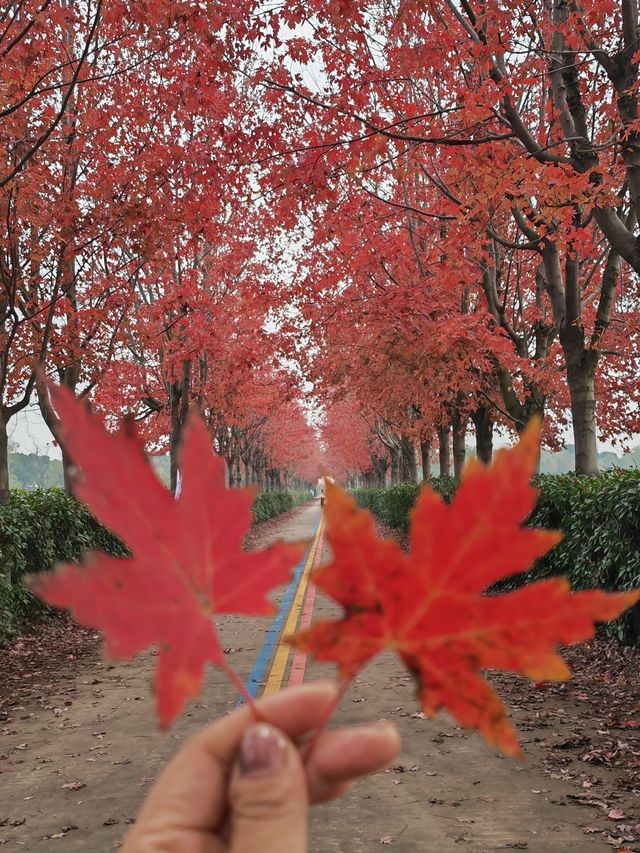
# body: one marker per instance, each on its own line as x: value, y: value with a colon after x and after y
x: 79, y: 748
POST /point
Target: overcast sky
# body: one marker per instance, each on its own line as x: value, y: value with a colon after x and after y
x: 31, y: 434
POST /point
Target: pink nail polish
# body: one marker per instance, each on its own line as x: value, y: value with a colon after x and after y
x: 262, y: 751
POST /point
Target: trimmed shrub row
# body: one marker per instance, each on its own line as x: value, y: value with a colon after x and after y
x: 269, y: 504
x: 394, y: 504
x: 41, y: 528
x: 600, y: 519
x: 37, y: 530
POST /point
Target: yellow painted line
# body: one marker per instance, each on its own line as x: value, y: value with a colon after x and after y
x: 281, y: 657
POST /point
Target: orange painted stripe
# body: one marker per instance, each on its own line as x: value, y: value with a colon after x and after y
x: 299, y: 662
x: 283, y: 651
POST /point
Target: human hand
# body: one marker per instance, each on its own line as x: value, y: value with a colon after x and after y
x: 245, y: 787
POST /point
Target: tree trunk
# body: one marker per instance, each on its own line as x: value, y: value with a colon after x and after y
x: 459, y: 449
x: 232, y: 471
x: 179, y: 400
x: 581, y: 379
x: 581, y: 359
x: 444, y: 434
x: 49, y: 416
x: 174, y: 446
x: 483, y: 424
x: 395, y: 465
x: 425, y: 452
x: 5, y: 494
x: 379, y: 474
x: 409, y: 461
x: 581, y: 364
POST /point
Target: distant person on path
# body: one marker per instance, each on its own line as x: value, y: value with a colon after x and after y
x: 245, y: 787
x: 322, y: 495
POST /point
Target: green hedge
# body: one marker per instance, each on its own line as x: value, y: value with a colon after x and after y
x: 600, y: 519
x: 41, y: 528
x: 269, y: 504
x: 394, y: 504
x: 38, y: 529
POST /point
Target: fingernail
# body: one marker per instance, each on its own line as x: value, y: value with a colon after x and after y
x: 262, y: 751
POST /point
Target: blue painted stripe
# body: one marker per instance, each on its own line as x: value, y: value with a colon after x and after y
x: 258, y: 672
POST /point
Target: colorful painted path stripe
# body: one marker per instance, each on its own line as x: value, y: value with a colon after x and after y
x: 299, y: 662
x: 256, y: 676
x: 279, y: 666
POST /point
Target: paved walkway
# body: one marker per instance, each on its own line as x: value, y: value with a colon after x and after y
x: 78, y: 761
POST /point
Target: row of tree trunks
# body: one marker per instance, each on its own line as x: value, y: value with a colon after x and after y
x: 451, y: 444
x: 403, y: 453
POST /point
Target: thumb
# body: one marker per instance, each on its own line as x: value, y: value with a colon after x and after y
x: 268, y: 795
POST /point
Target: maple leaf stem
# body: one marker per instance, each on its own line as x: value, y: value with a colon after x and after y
x: 239, y: 683
x: 329, y: 712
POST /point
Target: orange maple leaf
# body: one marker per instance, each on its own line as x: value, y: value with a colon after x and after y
x: 187, y: 561
x: 430, y: 605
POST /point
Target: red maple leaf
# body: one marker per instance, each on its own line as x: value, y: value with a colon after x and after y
x: 186, y: 563
x: 429, y: 605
